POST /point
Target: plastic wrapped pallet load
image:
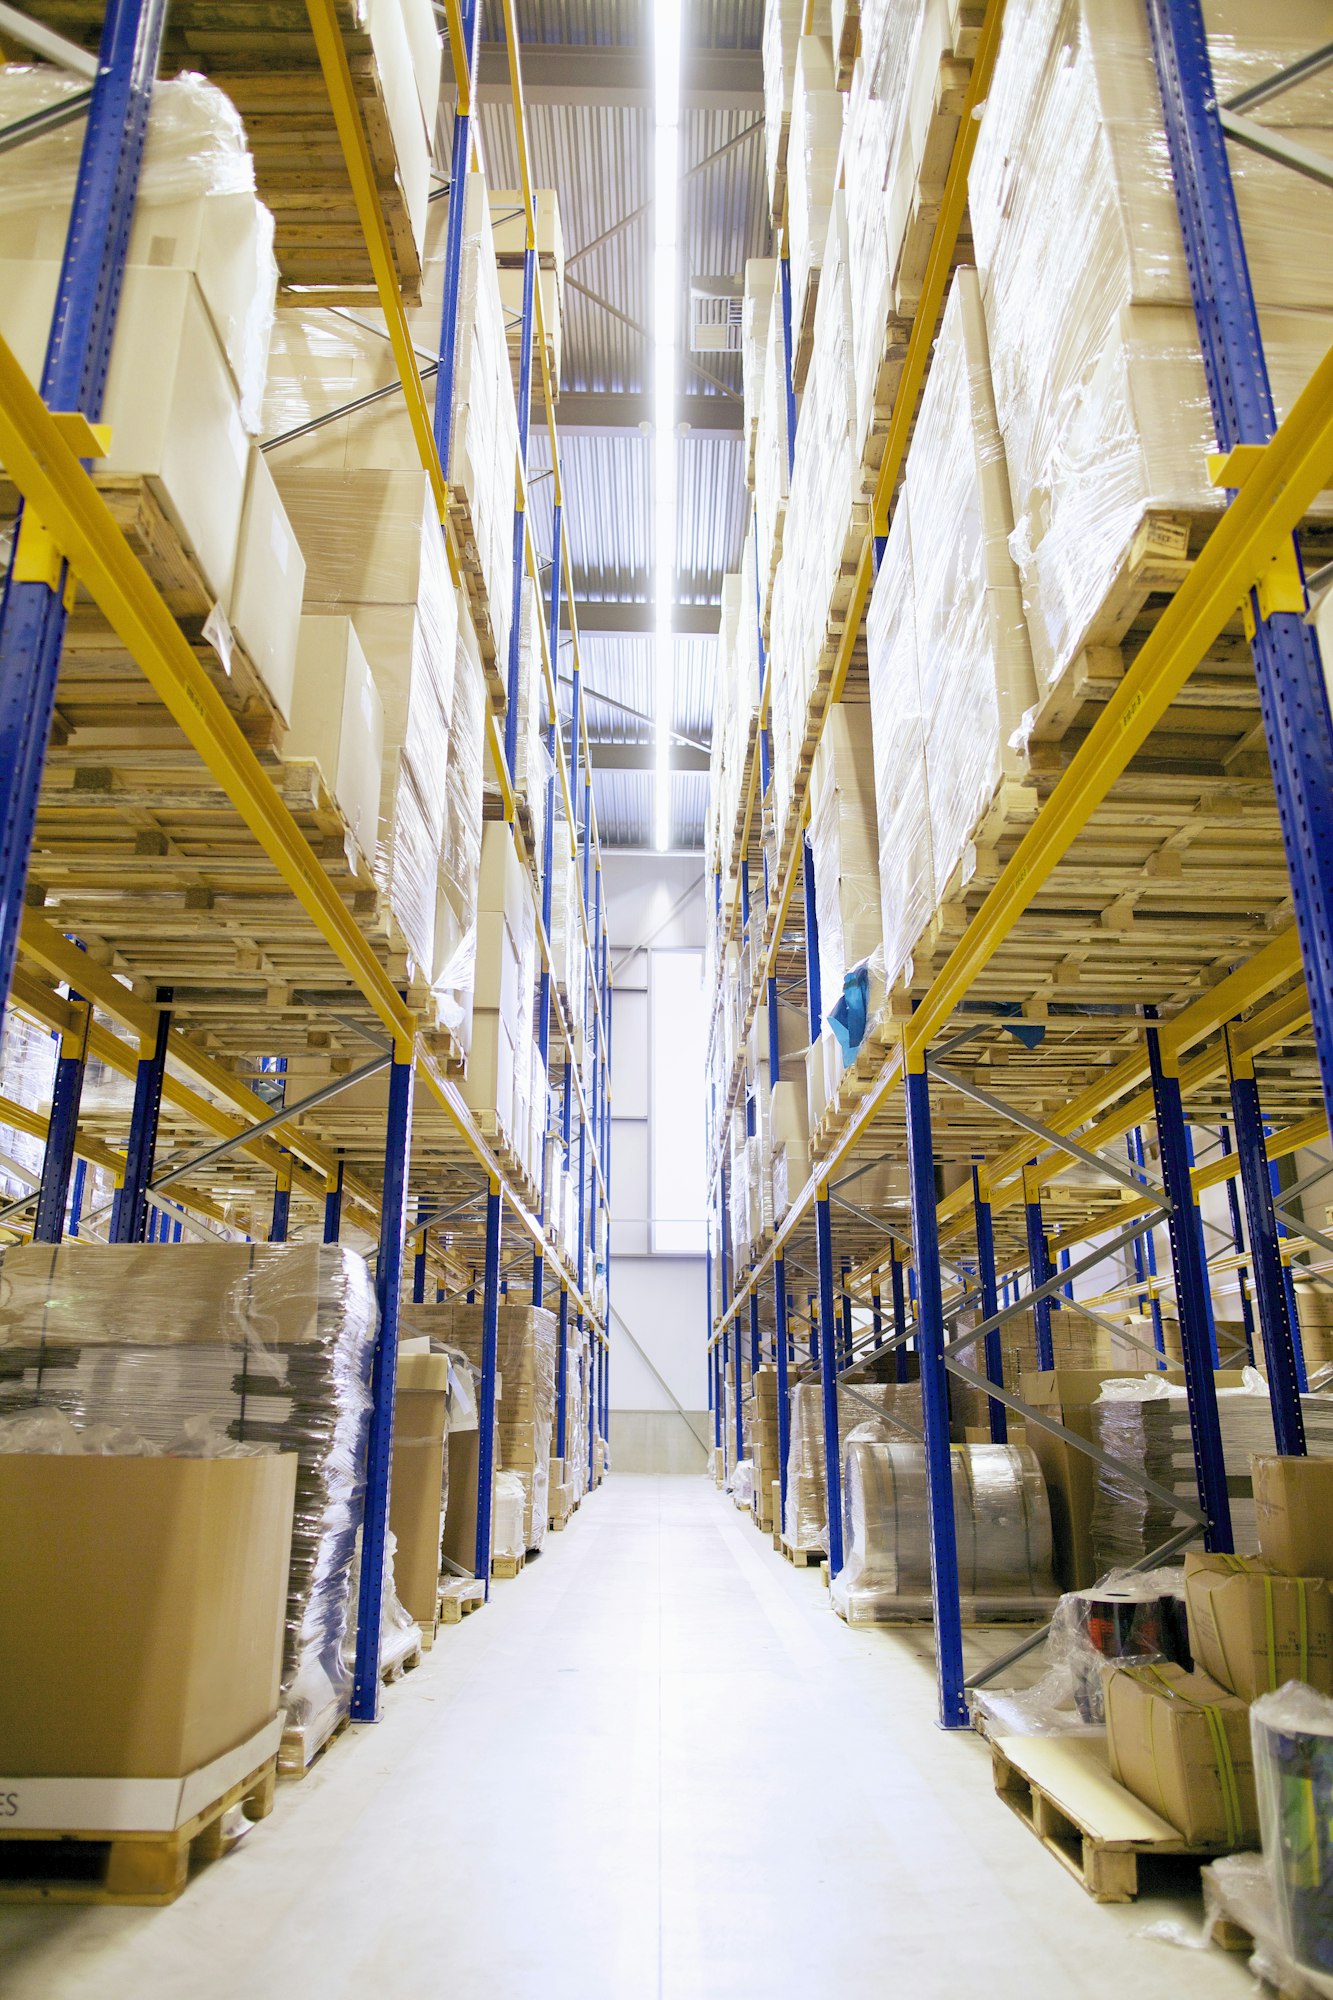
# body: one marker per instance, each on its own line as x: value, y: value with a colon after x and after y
x: 1292, y: 1736
x: 453, y: 982
x: 879, y: 1410
x: 205, y: 1344
x: 1144, y: 1421
x: 949, y: 661
x: 1099, y: 382
x: 845, y: 849
x: 761, y: 278
x: 812, y: 169
x: 783, y: 21
x: 1004, y: 1534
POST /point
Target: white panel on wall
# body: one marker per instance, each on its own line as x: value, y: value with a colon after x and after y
x: 629, y: 1055
x: 676, y: 1029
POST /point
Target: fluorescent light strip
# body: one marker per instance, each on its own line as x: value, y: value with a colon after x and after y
x: 666, y: 308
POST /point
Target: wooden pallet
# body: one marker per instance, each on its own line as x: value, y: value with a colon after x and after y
x: 505, y: 1568
x: 262, y: 54
x: 148, y: 1868
x: 1061, y: 1787
x: 459, y: 1597
x: 403, y: 1658
x: 799, y: 1557
x: 303, y: 1746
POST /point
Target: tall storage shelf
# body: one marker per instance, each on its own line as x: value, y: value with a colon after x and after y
x: 198, y: 914
x: 1018, y: 897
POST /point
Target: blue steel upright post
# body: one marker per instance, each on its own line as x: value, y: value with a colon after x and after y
x: 780, y: 1342
x: 62, y: 1132
x: 78, y: 355
x: 490, y: 1342
x: 1191, y: 1275
x: 1270, y: 1287
x: 383, y: 1381
x: 453, y: 250
x: 1293, y: 694
x: 333, y: 1205
x: 935, y: 1401
x: 129, y: 1210
x: 828, y: 1376
x: 1039, y: 1266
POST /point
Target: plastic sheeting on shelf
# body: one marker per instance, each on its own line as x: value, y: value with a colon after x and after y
x: 1099, y: 381
x: 1292, y: 1735
x: 269, y: 1344
x: 1004, y: 1547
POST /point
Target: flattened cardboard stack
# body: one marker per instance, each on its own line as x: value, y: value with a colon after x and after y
x: 764, y: 1442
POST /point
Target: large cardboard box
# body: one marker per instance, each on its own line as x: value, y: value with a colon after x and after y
x: 1293, y: 1507
x: 1253, y: 1629
x: 337, y: 719
x: 503, y: 882
x: 142, y: 1607
x: 269, y: 585
x: 416, y: 1504
x: 460, y: 1520
x: 489, y: 1083
x: 1181, y: 1743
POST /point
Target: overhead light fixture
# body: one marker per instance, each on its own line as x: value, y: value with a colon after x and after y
x: 666, y: 312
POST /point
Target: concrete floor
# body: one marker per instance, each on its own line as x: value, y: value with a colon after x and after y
x: 656, y: 1765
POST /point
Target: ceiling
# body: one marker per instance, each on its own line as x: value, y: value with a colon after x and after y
x: 588, y: 87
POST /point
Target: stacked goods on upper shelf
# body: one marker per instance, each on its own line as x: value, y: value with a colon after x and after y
x: 532, y: 763
x: 950, y: 669
x: 337, y: 719
x: 185, y: 386
x: 845, y: 851
x: 736, y: 704
x: 759, y: 303
x: 499, y: 1077
x: 509, y: 222
x: 824, y: 527
x: 452, y: 984
x: 1099, y: 383
x: 812, y: 172
x: 199, y: 1349
x: 375, y: 554
x: 764, y: 368
x: 526, y: 1362
x: 783, y: 23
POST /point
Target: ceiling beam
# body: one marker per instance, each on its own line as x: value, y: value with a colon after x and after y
x: 639, y: 619
x: 587, y: 413
x: 643, y: 757
x: 622, y: 74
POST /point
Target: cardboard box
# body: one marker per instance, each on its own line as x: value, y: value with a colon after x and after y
x: 142, y: 1610
x: 416, y: 1503
x: 460, y: 1520
x: 1293, y: 1507
x: 1181, y: 1743
x: 337, y: 719
x: 266, y: 596
x: 489, y: 1083
x: 226, y: 240
x: 503, y: 883
x: 496, y: 973
x: 361, y: 531
x: 1253, y: 1629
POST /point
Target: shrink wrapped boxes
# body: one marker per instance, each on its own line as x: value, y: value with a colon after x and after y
x: 1099, y: 382
x: 950, y: 668
x: 812, y: 171
x: 783, y: 21
x: 270, y: 585
x: 844, y: 843
x: 408, y: 84
x: 172, y: 406
x: 338, y: 719
x: 1181, y: 1743
x: 1253, y: 1629
x: 141, y: 1610
x: 374, y: 551
x: 761, y: 280
x: 460, y: 852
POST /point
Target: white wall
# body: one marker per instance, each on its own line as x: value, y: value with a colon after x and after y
x: 661, y: 1300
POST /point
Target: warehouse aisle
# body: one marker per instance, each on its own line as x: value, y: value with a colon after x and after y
x: 656, y: 1766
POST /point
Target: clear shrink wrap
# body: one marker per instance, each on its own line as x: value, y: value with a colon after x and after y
x: 1098, y: 378
x: 772, y: 461
x: 460, y: 850
x: 783, y: 20
x: 1292, y: 1736
x: 1004, y: 1538
x: 525, y: 1407
x: 819, y: 519
x: 881, y: 1410
x: 509, y: 1510
x: 196, y: 208
x: 761, y: 278
x: 974, y: 664
x: 1144, y: 1422
x: 259, y: 1344
x: 27, y: 1076
x: 866, y: 148
x: 812, y: 167
x: 483, y: 451
x: 844, y: 844
x: 906, y: 866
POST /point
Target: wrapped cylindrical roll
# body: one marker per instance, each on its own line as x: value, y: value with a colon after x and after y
x: 1002, y: 1523
x: 1292, y: 1735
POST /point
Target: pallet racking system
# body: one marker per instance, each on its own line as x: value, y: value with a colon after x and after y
x: 1037, y: 970
x: 163, y: 853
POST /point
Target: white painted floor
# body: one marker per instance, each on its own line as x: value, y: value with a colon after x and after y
x: 656, y: 1765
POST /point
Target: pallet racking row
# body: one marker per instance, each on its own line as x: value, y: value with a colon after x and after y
x: 1144, y: 938
x: 181, y: 907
